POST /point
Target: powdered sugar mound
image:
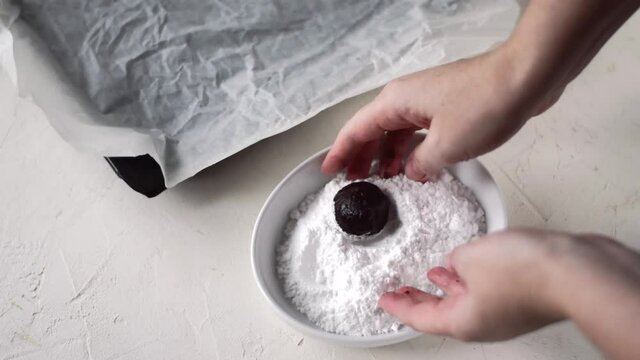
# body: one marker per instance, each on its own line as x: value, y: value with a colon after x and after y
x: 336, y: 282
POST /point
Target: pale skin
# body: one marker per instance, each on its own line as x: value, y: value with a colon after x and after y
x: 509, y: 283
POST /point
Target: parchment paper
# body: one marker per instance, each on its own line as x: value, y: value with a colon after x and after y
x: 191, y: 82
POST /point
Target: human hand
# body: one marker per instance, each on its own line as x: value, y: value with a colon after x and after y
x: 470, y: 107
x: 512, y: 282
x: 474, y: 105
x: 497, y: 287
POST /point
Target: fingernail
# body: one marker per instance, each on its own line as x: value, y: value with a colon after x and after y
x: 417, y: 173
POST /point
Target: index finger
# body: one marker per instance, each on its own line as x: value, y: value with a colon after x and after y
x: 368, y: 124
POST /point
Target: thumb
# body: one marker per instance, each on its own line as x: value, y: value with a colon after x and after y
x: 425, y: 161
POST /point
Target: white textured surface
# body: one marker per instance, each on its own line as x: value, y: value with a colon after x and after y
x: 91, y: 270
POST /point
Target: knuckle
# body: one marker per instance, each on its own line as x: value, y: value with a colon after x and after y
x: 422, y: 122
x: 446, y: 148
x: 349, y: 134
x: 391, y: 90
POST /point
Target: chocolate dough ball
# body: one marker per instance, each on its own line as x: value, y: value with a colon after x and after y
x: 361, y: 208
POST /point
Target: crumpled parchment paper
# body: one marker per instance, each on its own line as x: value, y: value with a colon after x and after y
x: 194, y: 81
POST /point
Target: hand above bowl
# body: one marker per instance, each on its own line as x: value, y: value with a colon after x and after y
x: 306, y: 179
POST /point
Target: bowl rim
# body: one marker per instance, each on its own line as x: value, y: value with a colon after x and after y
x: 404, y: 334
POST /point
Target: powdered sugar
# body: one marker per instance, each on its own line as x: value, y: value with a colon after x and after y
x: 336, y: 282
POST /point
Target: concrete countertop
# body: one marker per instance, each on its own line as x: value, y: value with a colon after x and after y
x: 91, y: 270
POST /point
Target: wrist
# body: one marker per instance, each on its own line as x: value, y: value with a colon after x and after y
x: 555, y: 40
x: 528, y: 70
x: 574, y: 266
x: 530, y: 84
x: 558, y: 272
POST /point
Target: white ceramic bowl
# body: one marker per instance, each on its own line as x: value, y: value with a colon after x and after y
x: 307, y: 178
